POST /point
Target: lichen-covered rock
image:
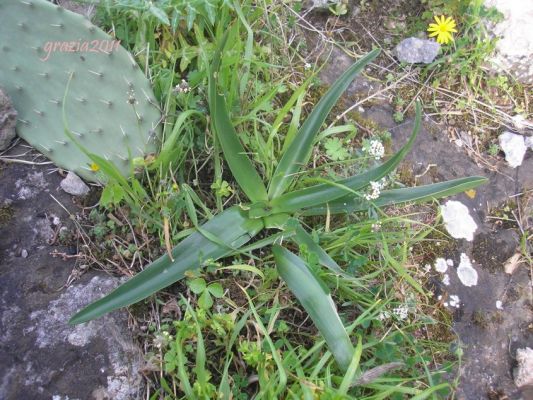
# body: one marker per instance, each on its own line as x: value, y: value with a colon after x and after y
x: 414, y: 50
x: 42, y: 357
x: 8, y: 121
x: 514, y: 49
x: 514, y: 147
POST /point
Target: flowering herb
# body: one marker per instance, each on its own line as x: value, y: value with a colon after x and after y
x: 443, y: 29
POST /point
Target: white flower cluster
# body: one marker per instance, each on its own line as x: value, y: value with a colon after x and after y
x: 400, y: 312
x: 161, y: 340
x: 375, y: 189
x: 183, y: 87
x: 375, y: 149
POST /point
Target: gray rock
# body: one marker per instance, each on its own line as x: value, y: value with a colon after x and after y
x: 487, y: 348
x: 42, y: 357
x: 8, y: 120
x: 514, y: 147
x: 514, y: 49
x: 337, y: 62
x: 73, y: 185
x: 24, y: 253
x: 413, y: 50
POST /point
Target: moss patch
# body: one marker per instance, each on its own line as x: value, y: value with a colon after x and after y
x: 6, y: 213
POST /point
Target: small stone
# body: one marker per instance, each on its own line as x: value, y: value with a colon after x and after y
x: 458, y: 221
x: 514, y: 147
x: 8, y: 120
x: 73, y: 185
x: 321, y: 4
x: 414, y: 50
x: 466, y: 272
x: 24, y: 253
x: 499, y: 305
x: 523, y: 375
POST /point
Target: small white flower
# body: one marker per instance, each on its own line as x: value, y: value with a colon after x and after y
x: 427, y: 267
x: 499, y: 305
x: 307, y: 65
x: 183, y: 87
x: 375, y: 189
x: 401, y: 312
x: 446, y: 279
x: 384, y: 315
x: 375, y: 149
x: 449, y: 262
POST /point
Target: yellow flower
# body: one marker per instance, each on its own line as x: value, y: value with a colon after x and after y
x: 94, y: 167
x: 442, y: 29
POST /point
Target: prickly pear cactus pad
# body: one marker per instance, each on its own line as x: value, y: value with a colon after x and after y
x: 110, y: 107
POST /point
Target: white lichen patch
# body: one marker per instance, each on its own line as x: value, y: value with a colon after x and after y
x: 457, y: 220
x: 466, y: 272
x: 31, y: 186
x: 514, y: 147
x: 441, y: 265
x: 524, y: 372
x: 51, y: 330
x: 455, y: 301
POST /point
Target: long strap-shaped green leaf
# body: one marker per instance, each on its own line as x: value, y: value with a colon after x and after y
x: 323, y: 193
x: 301, y: 237
x: 240, y: 165
x: 314, y: 297
x: 351, y: 204
x: 297, y: 154
x: 231, y: 227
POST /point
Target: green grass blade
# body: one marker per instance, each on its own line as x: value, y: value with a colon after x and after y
x: 234, y: 152
x: 232, y: 227
x: 350, y: 204
x: 298, y: 152
x: 352, y: 369
x: 309, y: 290
x: 301, y: 237
x: 323, y: 193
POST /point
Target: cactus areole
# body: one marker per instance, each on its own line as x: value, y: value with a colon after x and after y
x: 109, y: 108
